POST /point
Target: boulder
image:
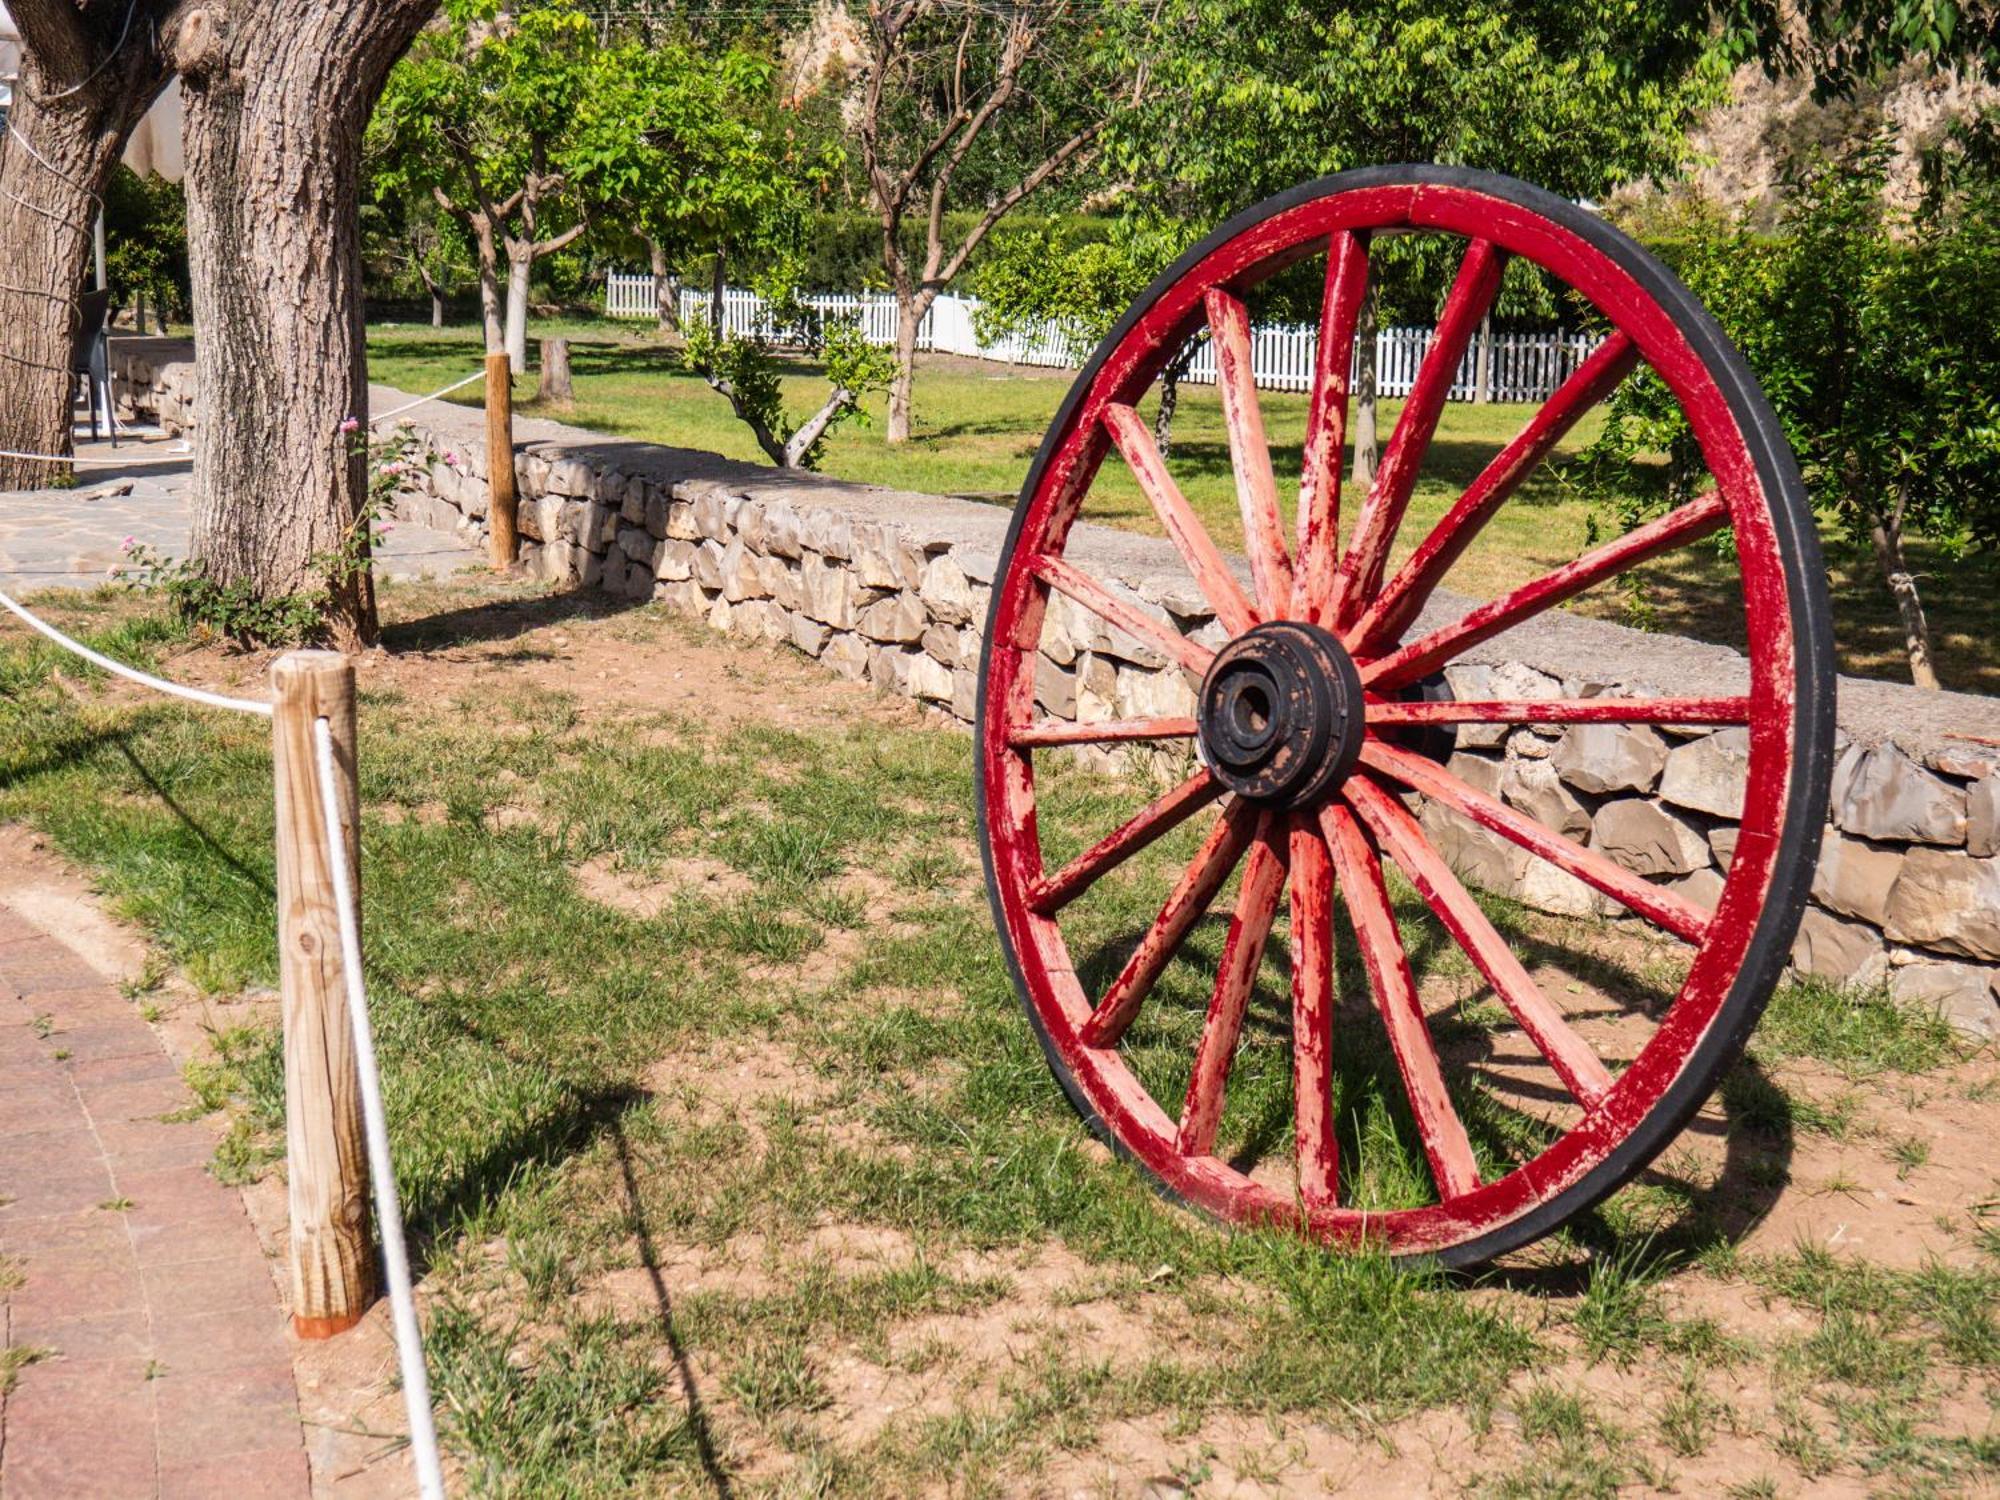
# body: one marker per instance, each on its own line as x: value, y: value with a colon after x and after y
x: 1886, y: 795
x: 1962, y: 994
x: 1648, y: 839
x: 1947, y: 899
x: 1602, y: 759
x: 1706, y: 774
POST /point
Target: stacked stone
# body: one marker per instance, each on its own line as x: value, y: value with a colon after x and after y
x: 1907, y: 891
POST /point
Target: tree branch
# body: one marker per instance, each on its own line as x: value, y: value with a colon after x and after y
x: 801, y: 442
x: 993, y: 215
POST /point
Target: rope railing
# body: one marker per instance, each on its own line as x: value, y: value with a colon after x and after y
x: 331, y: 841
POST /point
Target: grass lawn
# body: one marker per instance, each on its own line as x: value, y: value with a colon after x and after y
x: 978, y: 426
x: 733, y: 1167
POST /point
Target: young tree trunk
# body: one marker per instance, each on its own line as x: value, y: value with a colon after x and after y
x: 715, y: 308
x: 666, y: 291
x: 556, y: 384
x: 437, y: 308
x: 1170, y: 398
x: 54, y: 164
x: 520, y: 270
x: 1363, y: 424
x: 1887, y: 535
x: 275, y: 94
x: 910, y: 311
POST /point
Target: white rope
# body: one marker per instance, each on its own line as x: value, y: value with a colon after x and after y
x: 133, y: 674
x: 105, y: 463
x: 388, y: 1210
x: 443, y: 390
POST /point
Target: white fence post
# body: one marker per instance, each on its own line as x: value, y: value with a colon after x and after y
x: 1523, y: 367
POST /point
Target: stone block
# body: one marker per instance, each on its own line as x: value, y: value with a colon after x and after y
x: 1096, y: 687
x: 781, y: 530
x: 1722, y: 844
x: 708, y: 570
x: 635, y: 544
x: 742, y: 573
x: 683, y: 595
x: 965, y: 694
x: 1055, y: 689
x: 1647, y: 838
x: 1947, y: 899
x: 1148, y: 695
x: 899, y: 618
x: 568, y: 477
x: 715, y: 511
x: 679, y: 522
x: 947, y: 592
x: 720, y: 613
x: 1534, y: 787
x: 1967, y: 762
x: 1707, y: 774
x: 1475, y: 682
x: 761, y: 620
x: 782, y: 579
x: 1478, y: 857
x: 826, y: 591
x: 632, y: 502
x: 1830, y: 947
x: 1886, y: 795
x: 1603, y: 759
x: 847, y: 655
x: 1703, y: 887
x: 884, y: 560
x: 940, y: 643
x: 1962, y: 994
x: 673, y: 561
x: 829, y: 533
x: 930, y: 679
x: 1855, y: 877
x: 750, y: 525
x: 1982, y: 817
x: 808, y: 634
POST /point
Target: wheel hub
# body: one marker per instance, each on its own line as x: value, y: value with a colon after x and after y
x: 1279, y: 717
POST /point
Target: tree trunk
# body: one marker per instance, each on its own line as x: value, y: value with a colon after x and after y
x: 556, y: 384
x: 910, y: 311
x: 1887, y: 535
x: 1482, y: 384
x: 520, y: 270
x: 1363, y: 425
x: 54, y: 163
x: 715, y: 308
x: 489, y: 291
x: 666, y: 291
x: 1170, y: 398
x: 437, y: 308
x: 276, y: 94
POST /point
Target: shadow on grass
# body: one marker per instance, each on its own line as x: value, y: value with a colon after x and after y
x: 500, y: 620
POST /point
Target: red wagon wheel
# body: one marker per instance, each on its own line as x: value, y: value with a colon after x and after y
x: 1303, y: 727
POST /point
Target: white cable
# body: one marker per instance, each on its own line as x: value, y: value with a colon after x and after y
x: 144, y: 679
x: 443, y: 390
x: 105, y: 463
x: 388, y: 1210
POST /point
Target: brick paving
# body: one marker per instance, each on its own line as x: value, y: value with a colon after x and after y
x: 154, y: 1338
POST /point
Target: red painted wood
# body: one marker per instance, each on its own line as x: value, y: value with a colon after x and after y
x: 1184, y: 907
x: 1152, y: 823
x: 1129, y: 618
x: 1134, y: 439
x: 1691, y: 521
x: 1326, y: 429
x: 1315, y: 1149
x: 1393, y: 610
x: 1360, y: 571
x: 1561, y: 711
x: 1399, y: 834
x: 1100, y: 1076
x: 1100, y: 731
x: 1359, y: 871
x: 1236, y: 975
x: 1677, y: 914
x: 1249, y: 453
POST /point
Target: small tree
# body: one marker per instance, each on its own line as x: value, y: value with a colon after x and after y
x: 745, y: 368
x: 1875, y: 340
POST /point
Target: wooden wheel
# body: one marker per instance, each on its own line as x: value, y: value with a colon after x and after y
x: 1303, y: 732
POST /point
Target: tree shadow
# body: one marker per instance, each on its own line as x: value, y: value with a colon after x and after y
x: 499, y: 620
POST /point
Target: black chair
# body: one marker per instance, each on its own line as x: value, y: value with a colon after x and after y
x: 90, y: 358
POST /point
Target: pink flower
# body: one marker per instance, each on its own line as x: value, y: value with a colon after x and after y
x: 128, y: 544
x: 451, y: 458
x: 393, y: 466
x: 351, y: 424
x: 384, y: 527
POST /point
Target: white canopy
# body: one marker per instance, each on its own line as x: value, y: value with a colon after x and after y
x: 155, y: 145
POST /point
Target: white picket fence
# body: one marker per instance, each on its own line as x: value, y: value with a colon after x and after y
x: 1521, y: 366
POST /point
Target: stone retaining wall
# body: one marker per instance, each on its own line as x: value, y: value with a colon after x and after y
x: 893, y: 587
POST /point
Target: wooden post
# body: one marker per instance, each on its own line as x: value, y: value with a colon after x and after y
x: 332, y: 1254
x: 500, y: 460
x: 556, y: 384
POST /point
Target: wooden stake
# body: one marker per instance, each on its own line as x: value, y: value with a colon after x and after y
x: 332, y: 1254
x: 556, y: 382
x: 500, y: 460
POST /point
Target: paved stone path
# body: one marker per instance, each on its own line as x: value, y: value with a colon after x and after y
x: 142, y: 1323
x: 72, y: 538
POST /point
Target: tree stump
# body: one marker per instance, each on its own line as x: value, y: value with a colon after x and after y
x: 555, y: 384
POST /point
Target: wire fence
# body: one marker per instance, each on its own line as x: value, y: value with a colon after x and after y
x: 1516, y: 366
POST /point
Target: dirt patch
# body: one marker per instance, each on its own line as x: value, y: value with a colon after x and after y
x: 648, y: 893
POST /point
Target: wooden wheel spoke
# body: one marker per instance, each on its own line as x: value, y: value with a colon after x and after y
x: 1236, y: 976
x: 1685, y: 524
x: 1390, y: 614
x: 1249, y: 453
x: 1184, y: 529
x: 1184, y: 907
x: 1397, y: 833
x: 1316, y: 1152
x: 1562, y: 711
x: 1326, y: 428
x: 1359, y: 871
x: 1472, y: 293
x: 1656, y: 903
x: 1128, y: 617
x: 1099, y: 732
x: 1152, y: 823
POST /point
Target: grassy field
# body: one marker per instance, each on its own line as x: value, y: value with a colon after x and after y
x: 978, y: 426
x: 734, y: 1169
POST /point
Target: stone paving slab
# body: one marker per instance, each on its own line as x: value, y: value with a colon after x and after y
x: 157, y: 1364
x: 73, y: 538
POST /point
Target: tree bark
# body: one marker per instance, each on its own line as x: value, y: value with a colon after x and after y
x: 1170, y: 397
x: 911, y: 308
x: 276, y: 94
x: 74, y: 104
x: 715, y: 289
x: 520, y: 269
x: 1362, y: 427
x: 556, y: 384
x: 1887, y: 536
x: 666, y: 291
